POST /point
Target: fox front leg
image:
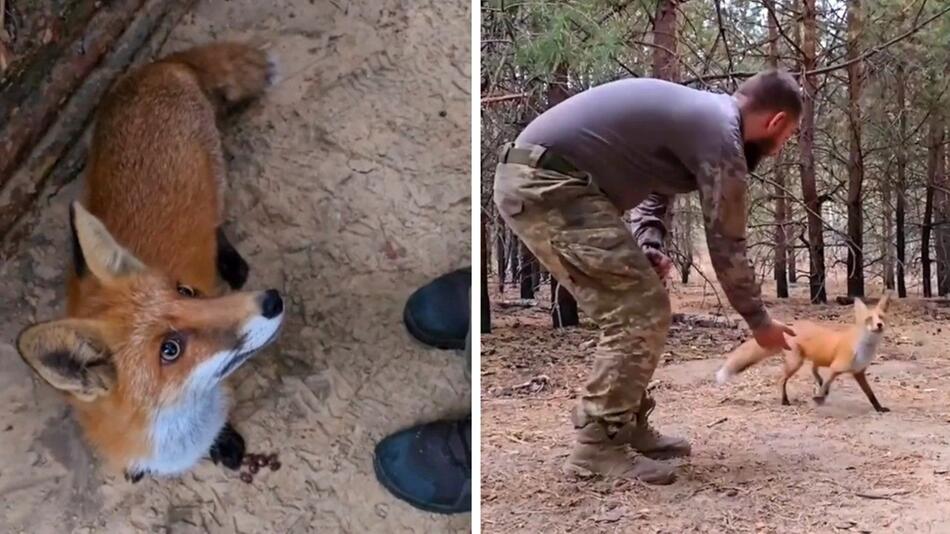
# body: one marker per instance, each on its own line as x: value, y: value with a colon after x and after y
x: 228, y: 448
x: 231, y: 265
x: 862, y: 381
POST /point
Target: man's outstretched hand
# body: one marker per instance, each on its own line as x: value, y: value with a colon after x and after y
x: 662, y: 263
x: 772, y: 335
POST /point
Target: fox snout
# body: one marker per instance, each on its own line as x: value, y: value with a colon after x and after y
x: 256, y: 333
x: 272, y: 305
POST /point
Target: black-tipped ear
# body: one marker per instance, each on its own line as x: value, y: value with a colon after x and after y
x: 79, y: 261
x: 71, y: 355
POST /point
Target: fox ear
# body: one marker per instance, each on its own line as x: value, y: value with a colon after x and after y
x: 860, y: 309
x: 70, y: 355
x: 884, y: 302
x: 95, y: 250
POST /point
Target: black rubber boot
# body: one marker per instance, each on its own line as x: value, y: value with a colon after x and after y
x: 438, y: 313
x: 429, y: 466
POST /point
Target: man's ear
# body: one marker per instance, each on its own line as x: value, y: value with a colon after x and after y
x: 777, y: 122
x: 95, y: 250
x: 71, y: 355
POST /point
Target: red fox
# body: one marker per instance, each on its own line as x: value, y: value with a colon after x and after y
x: 149, y: 338
x: 847, y: 350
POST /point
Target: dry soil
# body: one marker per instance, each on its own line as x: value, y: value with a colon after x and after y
x: 349, y: 188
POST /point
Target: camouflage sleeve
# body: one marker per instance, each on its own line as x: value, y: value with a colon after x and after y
x: 722, y: 190
x: 650, y: 220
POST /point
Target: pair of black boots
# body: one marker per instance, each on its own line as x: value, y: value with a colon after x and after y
x: 430, y: 465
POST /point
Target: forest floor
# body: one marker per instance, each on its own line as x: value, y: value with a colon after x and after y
x: 756, y: 466
x: 349, y: 188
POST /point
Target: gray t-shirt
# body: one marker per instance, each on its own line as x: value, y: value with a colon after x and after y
x: 645, y: 140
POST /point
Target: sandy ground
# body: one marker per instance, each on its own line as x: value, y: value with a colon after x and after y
x: 757, y: 466
x: 349, y: 188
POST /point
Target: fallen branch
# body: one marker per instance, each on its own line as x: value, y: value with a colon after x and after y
x: 32, y: 100
x: 60, y: 154
x: 883, y: 495
x: 519, y: 303
x: 704, y: 321
x: 503, y: 98
x: 717, y: 422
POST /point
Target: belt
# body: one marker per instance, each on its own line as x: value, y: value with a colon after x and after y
x: 536, y: 156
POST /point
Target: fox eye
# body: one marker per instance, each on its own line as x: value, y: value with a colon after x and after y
x: 171, y: 349
x: 187, y: 291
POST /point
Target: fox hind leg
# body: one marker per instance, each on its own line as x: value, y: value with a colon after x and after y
x: 793, y: 362
x: 818, y: 381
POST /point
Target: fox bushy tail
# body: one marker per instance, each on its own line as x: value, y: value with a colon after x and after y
x: 229, y: 72
x: 743, y: 357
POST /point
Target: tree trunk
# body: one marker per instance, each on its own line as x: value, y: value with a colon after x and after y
x: 564, y: 307
x: 900, y: 207
x: 514, y: 268
x: 46, y: 109
x: 933, y: 167
x: 665, y: 66
x: 941, y: 222
x: 781, y: 262
x: 791, y: 249
x: 887, y: 240
x: 486, y: 303
x: 501, y: 253
x: 816, y: 244
x: 855, y: 161
x: 527, y: 272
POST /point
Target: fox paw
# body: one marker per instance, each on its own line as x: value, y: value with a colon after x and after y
x: 228, y: 448
x: 819, y: 400
x: 231, y: 266
x: 134, y: 476
x: 882, y: 409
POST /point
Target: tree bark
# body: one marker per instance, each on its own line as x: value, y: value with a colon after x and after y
x: 665, y: 65
x: 527, y: 272
x: 933, y: 167
x: 60, y: 147
x: 941, y: 228
x: 887, y: 241
x: 501, y: 254
x: 25, y: 111
x: 514, y: 268
x: 486, y: 302
x: 816, y: 244
x: 900, y: 207
x: 855, y: 161
x: 780, y: 253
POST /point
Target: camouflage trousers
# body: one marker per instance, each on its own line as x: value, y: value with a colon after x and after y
x: 579, y: 236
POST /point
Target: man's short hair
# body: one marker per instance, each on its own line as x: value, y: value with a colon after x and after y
x: 772, y: 90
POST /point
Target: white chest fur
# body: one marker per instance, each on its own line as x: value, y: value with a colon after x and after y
x: 182, y: 433
x: 865, y: 350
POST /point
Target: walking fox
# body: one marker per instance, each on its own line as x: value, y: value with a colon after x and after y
x: 149, y: 338
x: 845, y: 350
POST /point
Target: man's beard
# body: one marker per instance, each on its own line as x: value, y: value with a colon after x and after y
x: 755, y: 151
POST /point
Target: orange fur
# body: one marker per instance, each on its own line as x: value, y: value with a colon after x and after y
x: 155, y: 177
x: 841, y: 350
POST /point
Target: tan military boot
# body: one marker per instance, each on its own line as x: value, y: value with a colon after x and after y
x: 595, y: 453
x: 648, y: 441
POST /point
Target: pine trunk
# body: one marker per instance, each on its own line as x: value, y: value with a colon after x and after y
x: 816, y: 245
x: 855, y: 161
